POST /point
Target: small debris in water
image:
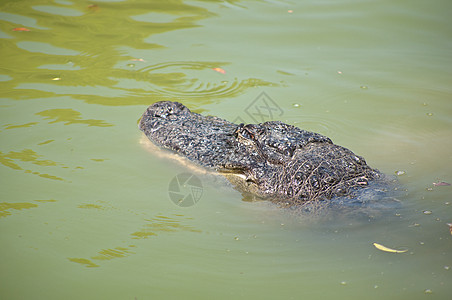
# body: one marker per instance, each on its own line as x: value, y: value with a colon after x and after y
x: 339, y: 72
x: 447, y: 268
x: 290, y: 11
x: 296, y: 105
x: 429, y: 114
x: 400, y: 173
x: 441, y: 183
x: 386, y: 249
x: 137, y: 59
x: 429, y: 189
x: 343, y: 282
x: 56, y: 78
x: 131, y: 65
x: 428, y: 291
x: 364, y: 87
x: 21, y: 29
x: 219, y: 70
x: 93, y: 7
x: 427, y: 212
x: 236, y: 238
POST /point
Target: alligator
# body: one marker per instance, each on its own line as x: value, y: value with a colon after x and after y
x: 271, y: 160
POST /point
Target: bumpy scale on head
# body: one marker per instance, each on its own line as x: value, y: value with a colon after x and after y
x: 273, y: 160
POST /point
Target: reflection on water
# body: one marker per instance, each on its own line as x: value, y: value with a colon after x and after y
x: 113, y: 40
x: 162, y: 224
x: 6, y: 208
x: 70, y: 116
x: 153, y: 227
x: 45, y: 48
x: 28, y: 155
x: 90, y: 206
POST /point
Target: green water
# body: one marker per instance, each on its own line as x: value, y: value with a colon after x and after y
x: 85, y: 211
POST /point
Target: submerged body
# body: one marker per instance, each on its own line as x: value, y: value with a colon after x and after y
x: 271, y: 160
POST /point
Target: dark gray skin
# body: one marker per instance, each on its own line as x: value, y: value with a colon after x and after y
x: 271, y: 160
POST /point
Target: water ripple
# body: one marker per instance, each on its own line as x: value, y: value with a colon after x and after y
x: 18, y: 19
x: 55, y: 10
x: 194, y: 79
x: 45, y: 48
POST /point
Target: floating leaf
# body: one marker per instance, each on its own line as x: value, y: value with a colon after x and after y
x: 21, y: 29
x: 386, y: 249
x: 450, y: 227
x: 219, y: 70
x: 441, y: 183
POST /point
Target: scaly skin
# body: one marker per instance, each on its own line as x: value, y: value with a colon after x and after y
x: 271, y: 160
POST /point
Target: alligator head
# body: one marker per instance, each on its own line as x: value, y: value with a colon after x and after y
x: 271, y: 160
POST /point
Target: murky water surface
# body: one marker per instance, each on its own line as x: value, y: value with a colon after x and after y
x: 85, y: 211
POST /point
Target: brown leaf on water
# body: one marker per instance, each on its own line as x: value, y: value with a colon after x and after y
x: 93, y: 7
x: 450, y: 227
x: 21, y: 29
x: 441, y: 183
x: 219, y: 70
